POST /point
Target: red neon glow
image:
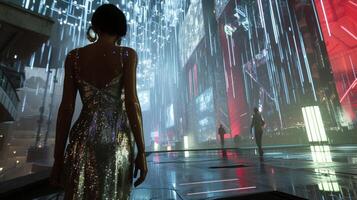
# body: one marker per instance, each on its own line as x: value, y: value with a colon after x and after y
x: 353, y: 3
x: 236, y: 102
x: 348, y: 90
x: 349, y: 32
x: 195, y: 80
x: 339, y: 27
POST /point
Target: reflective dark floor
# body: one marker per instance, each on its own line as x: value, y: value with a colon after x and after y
x: 315, y: 172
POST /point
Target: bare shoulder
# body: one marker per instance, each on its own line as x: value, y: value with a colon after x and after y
x: 71, y: 56
x: 73, y: 53
x: 129, y: 51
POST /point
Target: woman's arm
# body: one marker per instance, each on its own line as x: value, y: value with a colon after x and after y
x: 133, y: 111
x: 66, y: 109
x: 132, y: 105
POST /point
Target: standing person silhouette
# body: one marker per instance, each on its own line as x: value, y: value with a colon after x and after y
x: 221, y: 132
x: 257, y: 124
x: 99, y: 159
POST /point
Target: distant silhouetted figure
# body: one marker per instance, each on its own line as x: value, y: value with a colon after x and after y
x: 221, y: 132
x: 257, y: 124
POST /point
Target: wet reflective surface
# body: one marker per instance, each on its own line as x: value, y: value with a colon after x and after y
x: 315, y: 172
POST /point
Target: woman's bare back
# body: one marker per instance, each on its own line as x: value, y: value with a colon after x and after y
x: 99, y: 65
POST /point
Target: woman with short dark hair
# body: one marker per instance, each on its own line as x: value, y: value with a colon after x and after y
x: 98, y: 161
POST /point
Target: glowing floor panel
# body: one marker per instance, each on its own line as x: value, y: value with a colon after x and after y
x: 317, y: 172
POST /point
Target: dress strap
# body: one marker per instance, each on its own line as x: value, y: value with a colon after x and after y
x: 121, y: 57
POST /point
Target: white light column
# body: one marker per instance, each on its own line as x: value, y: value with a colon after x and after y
x: 185, y: 145
x: 313, y: 123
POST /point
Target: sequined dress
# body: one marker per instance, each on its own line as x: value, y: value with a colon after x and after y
x: 99, y: 156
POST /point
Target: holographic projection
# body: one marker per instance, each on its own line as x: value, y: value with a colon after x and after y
x: 191, y: 31
x: 339, y: 31
x: 273, y: 60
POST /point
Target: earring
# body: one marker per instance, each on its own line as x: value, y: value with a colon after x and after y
x: 91, y: 34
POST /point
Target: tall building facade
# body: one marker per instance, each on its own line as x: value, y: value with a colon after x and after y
x: 275, y: 60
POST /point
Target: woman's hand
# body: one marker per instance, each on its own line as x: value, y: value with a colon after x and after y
x: 140, y: 164
x: 56, y: 177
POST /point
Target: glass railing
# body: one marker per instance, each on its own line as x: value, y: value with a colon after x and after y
x: 9, y: 89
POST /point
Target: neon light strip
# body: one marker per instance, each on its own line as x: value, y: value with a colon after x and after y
x: 348, y: 90
x: 352, y: 66
x: 353, y: 3
x: 317, y: 19
x: 349, y: 32
x: 310, y: 118
x: 244, y: 114
x: 316, y: 124
x: 320, y: 124
x: 323, y: 10
x: 226, y: 190
x: 213, y: 181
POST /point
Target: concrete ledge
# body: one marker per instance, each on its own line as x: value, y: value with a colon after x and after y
x: 25, y: 19
x: 21, y: 32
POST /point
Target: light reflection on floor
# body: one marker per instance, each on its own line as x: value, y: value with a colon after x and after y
x: 315, y: 172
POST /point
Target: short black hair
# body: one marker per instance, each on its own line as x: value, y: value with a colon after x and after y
x: 109, y: 19
x: 256, y: 110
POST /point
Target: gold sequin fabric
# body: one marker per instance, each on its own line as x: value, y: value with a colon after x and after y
x: 99, y: 156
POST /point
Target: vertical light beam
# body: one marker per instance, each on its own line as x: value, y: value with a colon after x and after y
x: 313, y: 123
